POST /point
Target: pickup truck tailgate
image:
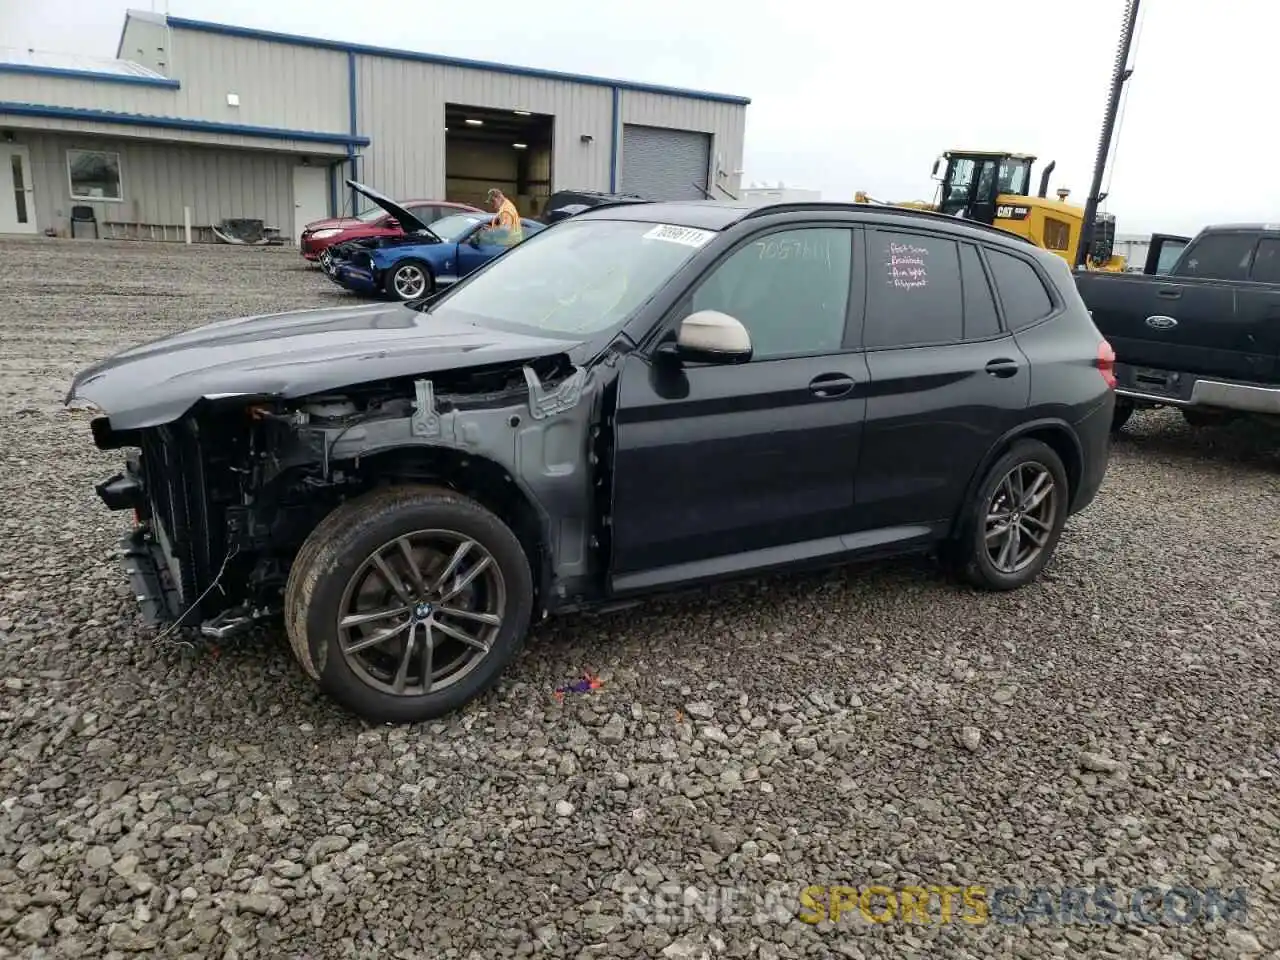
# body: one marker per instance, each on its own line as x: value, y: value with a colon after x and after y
x: 1190, y: 326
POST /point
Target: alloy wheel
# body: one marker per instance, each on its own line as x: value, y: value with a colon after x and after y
x: 409, y: 282
x: 421, y: 612
x: 1020, y: 517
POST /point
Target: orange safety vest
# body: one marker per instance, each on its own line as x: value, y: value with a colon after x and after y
x: 509, y: 218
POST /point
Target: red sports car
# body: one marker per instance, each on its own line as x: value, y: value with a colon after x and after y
x: 318, y: 236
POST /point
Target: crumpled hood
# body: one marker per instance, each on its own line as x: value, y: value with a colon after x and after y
x: 291, y: 355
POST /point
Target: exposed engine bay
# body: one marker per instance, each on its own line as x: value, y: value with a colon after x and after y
x: 225, y: 496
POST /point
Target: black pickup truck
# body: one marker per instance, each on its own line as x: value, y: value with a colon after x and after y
x: 1200, y: 332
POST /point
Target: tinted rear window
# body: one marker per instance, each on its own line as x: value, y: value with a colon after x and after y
x: 980, y: 318
x: 913, y: 294
x: 1022, y: 295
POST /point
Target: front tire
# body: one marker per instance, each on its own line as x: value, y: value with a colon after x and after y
x: 1013, y: 525
x: 407, y: 603
x: 408, y: 280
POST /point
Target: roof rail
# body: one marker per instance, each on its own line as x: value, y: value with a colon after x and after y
x: 835, y: 207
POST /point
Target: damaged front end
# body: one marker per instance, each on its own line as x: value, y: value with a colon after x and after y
x: 224, y: 496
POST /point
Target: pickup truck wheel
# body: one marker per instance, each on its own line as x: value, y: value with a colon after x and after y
x: 1014, y: 523
x: 409, y: 280
x: 1124, y: 410
x: 407, y: 603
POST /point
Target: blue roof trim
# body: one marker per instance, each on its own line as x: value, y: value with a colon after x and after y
x: 95, y: 75
x: 178, y: 123
x: 250, y: 33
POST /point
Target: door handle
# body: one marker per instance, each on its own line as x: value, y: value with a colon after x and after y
x: 1169, y: 294
x: 829, y: 386
x: 1002, y: 367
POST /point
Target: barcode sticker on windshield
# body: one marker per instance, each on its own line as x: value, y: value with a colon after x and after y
x: 685, y: 235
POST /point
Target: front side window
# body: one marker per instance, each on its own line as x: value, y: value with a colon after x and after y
x: 576, y: 280
x: 789, y: 289
x: 94, y: 175
x: 914, y: 294
x: 1220, y: 256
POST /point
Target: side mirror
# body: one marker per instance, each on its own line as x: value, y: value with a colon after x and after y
x: 474, y: 240
x: 709, y: 336
x: 934, y: 171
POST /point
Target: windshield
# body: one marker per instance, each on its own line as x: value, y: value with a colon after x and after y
x: 372, y: 214
x: 455, y: 225
x: 576, y: 280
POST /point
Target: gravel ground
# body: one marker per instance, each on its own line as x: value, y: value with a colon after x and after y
x: 1115, y: 723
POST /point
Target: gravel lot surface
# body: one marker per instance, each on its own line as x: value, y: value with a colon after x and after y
x: 1115, y: 723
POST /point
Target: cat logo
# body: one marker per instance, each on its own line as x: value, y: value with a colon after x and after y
x: 1007, y: 211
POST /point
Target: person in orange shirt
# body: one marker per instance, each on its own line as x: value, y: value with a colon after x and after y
x: 507, y: 216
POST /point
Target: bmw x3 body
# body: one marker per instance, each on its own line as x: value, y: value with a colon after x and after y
x: 642, y: 397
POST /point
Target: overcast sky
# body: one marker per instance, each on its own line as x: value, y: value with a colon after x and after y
x: 861, y: 95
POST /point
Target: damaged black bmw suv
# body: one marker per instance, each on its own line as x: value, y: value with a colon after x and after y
x: 641, y: 397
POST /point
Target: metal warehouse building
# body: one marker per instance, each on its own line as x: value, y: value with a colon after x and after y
x: 215, y: 122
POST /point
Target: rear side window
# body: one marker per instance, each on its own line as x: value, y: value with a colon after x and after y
x: 1219, y: 256
x: 980, y: 318
x: 1022, y: 294
x: 914, y: 294
x: 1266, y: 262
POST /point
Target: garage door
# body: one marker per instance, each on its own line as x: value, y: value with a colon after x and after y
x: 663, y: 164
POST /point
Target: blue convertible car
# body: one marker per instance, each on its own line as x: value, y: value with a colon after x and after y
x: 426, y: 258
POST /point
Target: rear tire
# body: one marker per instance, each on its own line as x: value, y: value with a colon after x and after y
x: 441, y: 579
x: 1011, y: 528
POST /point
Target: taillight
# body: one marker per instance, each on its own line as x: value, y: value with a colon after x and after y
x: 1107, y: 364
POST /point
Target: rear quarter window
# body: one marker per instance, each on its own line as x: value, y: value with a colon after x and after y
x: 1022, y: 293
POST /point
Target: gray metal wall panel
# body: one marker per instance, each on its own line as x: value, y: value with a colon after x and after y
x: 159, y: 179
x: 401, y: 107
x: 150, y: 135
x: 661, y: 164
x: 280, y: 85
x: 725, y: 122
x: 90, y: 94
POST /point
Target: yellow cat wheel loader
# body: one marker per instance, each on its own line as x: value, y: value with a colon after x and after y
x: 993, y: 188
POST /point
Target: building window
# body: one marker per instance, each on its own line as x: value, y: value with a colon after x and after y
x: 94, y: 175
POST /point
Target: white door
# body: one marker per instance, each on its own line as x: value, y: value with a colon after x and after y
x: 17, y: 196
x: 310, y: 197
